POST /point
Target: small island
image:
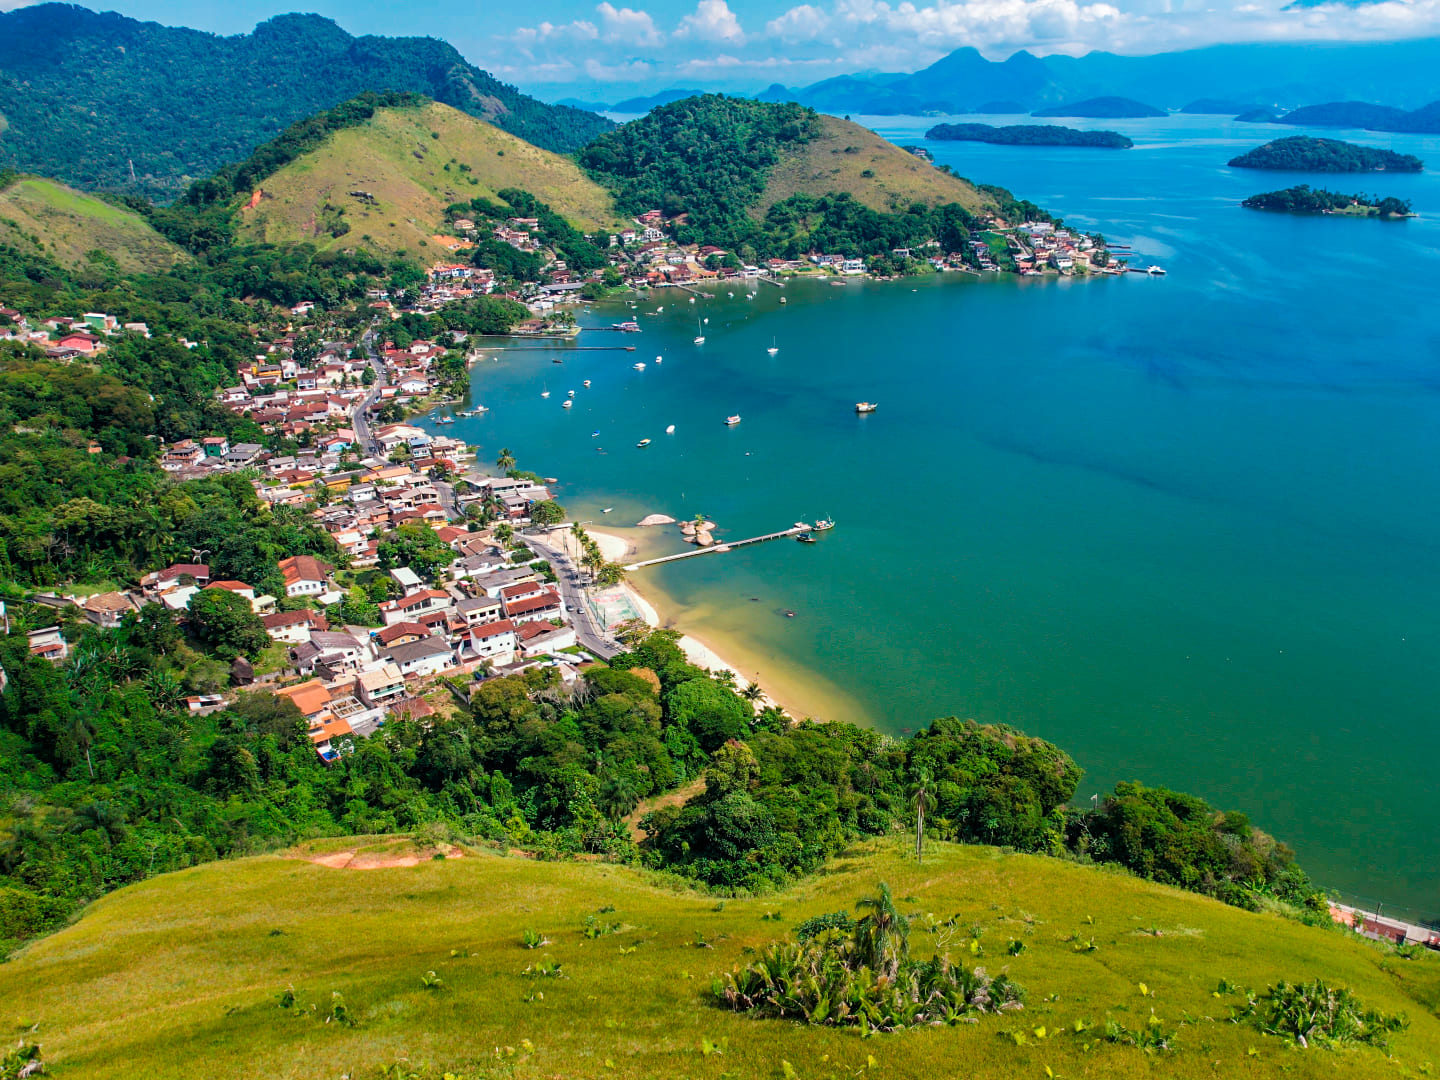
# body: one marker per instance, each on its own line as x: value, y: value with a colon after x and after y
x: 1103, y: 108
x: 1304, y: 199
x: 1029, y: 135
x: 1301, y: 153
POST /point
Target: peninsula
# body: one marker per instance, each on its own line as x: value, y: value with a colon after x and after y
x: 1301, y: 153
x: 1304, y: 199
x: 1029, y: 135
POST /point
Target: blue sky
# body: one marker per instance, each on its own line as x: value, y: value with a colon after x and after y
x: 616, y: 47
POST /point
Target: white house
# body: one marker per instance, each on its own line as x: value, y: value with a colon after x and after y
x: 428, y: 656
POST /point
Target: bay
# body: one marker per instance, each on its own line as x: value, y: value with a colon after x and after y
x: 1185, y: 527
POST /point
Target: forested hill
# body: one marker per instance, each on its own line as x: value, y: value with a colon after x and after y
x: 84, y: 94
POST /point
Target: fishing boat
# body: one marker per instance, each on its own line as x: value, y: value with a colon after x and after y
x: 773, y: 349
x: 587, y: 384
x: 731, y: 421
x: 805, y: 538
x: 640, y: 366
x: 823, y: 525
x: 567, y: 403
x: 866, y: 406
x: 643, y: 442
x: 670, y: 430
x: 1155, y: 271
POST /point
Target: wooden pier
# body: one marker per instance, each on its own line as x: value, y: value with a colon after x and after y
x: 794, y: 530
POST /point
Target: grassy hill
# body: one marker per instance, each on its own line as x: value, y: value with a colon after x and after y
x: 414, y: 162
x: 68, y: 225
x: 199, y: 959
x: 845, y: 157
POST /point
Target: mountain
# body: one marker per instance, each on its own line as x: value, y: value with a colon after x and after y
x: 645, y: 104
x: 87, y: 95
x: 415, y: 958
x: 69, y: 228
x: 1350, y: 114
x: 1108, y: 108
x: 587, y: 106
x: 410, y: 163
x: 1400, y: 72
x: 1217, y: 107
x: 1300, y: 153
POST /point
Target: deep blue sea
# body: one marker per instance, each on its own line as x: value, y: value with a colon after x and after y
x: 1186, y: 527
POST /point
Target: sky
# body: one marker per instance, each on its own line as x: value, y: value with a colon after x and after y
x: 604, y: 50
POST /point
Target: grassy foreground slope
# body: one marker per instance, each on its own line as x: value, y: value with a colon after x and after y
x: 69, y: 225
x: 413, y: 176
x: 179, y: 976
x: 845, y: 157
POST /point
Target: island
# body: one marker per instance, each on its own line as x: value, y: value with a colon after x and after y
x: 1103, y: 108
x: 1304, y: 199
x: 1258, y: 116
x: 1301, y: 153
x: 1029, y: 135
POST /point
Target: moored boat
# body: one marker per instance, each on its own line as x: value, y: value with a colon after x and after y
x: 731, y: 421
x: 823, y: 524
x: 639, y: 366
x: 805, y: 538
x: 670, y: 430
x: 866, y: 406
x: 643, y: 442
x: 567, y: 403
x: 1155, y: 271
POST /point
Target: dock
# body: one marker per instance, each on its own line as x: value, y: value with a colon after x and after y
x: 730, y: 545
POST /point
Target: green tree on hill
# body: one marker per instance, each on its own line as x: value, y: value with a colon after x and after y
x: 226, y: 620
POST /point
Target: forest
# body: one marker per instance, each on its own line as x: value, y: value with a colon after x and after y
x: 1300, y: 153
x: 1029, y: 135
x: 1304, y: 199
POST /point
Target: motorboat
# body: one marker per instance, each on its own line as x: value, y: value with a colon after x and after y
x: 866, y: 406
x: 587, y: 384
x: 783, y: 300
x: 567, y: 403
x: 482, y: 408
x: 805, y: 538
x: 706, y: 321
x: 1155, y: 271
x: 594, y: 434
x: 640, y: 366
x: 643, y: 442
x: 556, y: 360
x: 607, y: 509
x: 670, y: 430
x: 731, y: 421
x: 570, y: 393
x: 659, y: 359
x: 700, y: 337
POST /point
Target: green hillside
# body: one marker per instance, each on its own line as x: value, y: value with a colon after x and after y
x: 203, y: 959
x: 65, y: 226
x: 414, y: 162
x: 89, y: 95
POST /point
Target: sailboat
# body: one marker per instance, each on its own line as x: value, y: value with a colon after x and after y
x: 544, y: 393
x: 773, y: 349
x: 700, y: 337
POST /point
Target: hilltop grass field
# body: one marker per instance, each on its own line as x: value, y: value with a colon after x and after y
x: 414, y: 162
x: 231, y: 969
x: 66, y: 225
x: 846, y: 157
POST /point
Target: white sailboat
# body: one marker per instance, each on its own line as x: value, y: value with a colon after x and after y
x: 700, y: 337
x: 773, y: 349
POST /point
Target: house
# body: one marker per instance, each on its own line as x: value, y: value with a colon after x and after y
x: 523, y: 591
x: 494, y: 641
x: 537, y: 638
x: 401, y: 633
x: 428, y: 656
x: 305, y: 575
x: 259, y: 604
x: 88, y: 344
x: 415, y: 605
x: 182, y: 455
x: 407, y: 579
x: 294, y: 627
x: 174, y: 575
x: 480, y: 609
x: 107, y: 609
x: 242, y: 455
x: 49, y: 643
x: 379, y: 686
x: 216, y: 446
x: 546, y: 606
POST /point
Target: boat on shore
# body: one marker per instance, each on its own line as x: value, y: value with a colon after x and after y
x: 731, y: 421
x: 866, y: 406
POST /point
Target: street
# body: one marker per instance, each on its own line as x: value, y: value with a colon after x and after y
x: 589, y: 632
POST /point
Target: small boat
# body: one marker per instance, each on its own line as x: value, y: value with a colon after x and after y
x: 567, y: 403
x: 643, y: 442
x: 707, y: 322
x: 783, y: 300
x: 805, y: 538
x: 659, y: 309
x: 823, y: 525
x: 788, y: 613
x: 544, y: 393
x: 659, y: 359
x: 594, y: 434
x: 731, y: 421
x: 773, y: 349
x: 570, y: 393
x: 446, y: 420
x: 482, y: 408
x: 607, y: 509
x: 587, y: 384
x: 670, y: 430
x: 866, y: 406
x: 731, y: 295
x: 630, y: 327
x: 557, y: 360
x: 1155, y: 271
x: 640, y: 367
x: 551, y: 479
x: 692, y: 299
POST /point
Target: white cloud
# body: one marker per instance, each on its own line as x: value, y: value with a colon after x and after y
x: 712, y: 20
x: 11, y: 5
x: 628, y: 26
x: 631, y: 71
x: 803, y: 23
x: 546, y: 33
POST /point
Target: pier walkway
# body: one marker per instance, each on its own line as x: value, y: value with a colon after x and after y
x: 730, y: 545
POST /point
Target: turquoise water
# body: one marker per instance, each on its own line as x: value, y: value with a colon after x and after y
x: 1184, y: 527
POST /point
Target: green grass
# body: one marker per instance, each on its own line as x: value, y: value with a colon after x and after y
x: 69, y: 225
x: 838, y: 161
x: 179, y: 976
x: 393, y: 157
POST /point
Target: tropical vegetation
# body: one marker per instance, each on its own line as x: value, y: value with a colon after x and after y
x: 1301, y: 153
x: 1029, y: 135
x: 1303, y: 199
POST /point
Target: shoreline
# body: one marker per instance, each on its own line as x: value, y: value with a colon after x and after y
x: 787, y: 693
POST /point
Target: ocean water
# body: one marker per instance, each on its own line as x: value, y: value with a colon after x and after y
x: 1185, y: 527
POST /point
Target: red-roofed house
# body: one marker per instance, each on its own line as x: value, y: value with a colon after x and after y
x: 545, y: 606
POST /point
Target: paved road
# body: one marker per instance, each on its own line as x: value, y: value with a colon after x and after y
x: 359, y: 420
x: 587, y: 630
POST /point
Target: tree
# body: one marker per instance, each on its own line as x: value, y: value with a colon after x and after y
x: 548, y: 512
x: 367, y: 377
x: 617, y: 796
x: 712, y: 713
x: 506, y: 461
x: 82, y: 733
x: 226, y: 620
x: 610, y: 574
x: 752, y: 692
x: 922, y: 801
x: 883, y: 934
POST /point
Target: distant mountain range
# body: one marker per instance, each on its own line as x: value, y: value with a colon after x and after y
x: 86, y: 97
x: 1247, y: 76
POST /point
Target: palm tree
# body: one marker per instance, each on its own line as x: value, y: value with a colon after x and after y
x: 752, y: 692
x: 82, y: 734
x: 883, y: 934
x: 617, y: 796
x: 922, y: 798
x: 506, y: 461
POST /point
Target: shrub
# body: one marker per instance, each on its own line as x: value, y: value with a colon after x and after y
x: 1314, y: 1013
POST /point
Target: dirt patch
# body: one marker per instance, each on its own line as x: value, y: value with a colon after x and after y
x: 377, y: 860
x: 678, y: 797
